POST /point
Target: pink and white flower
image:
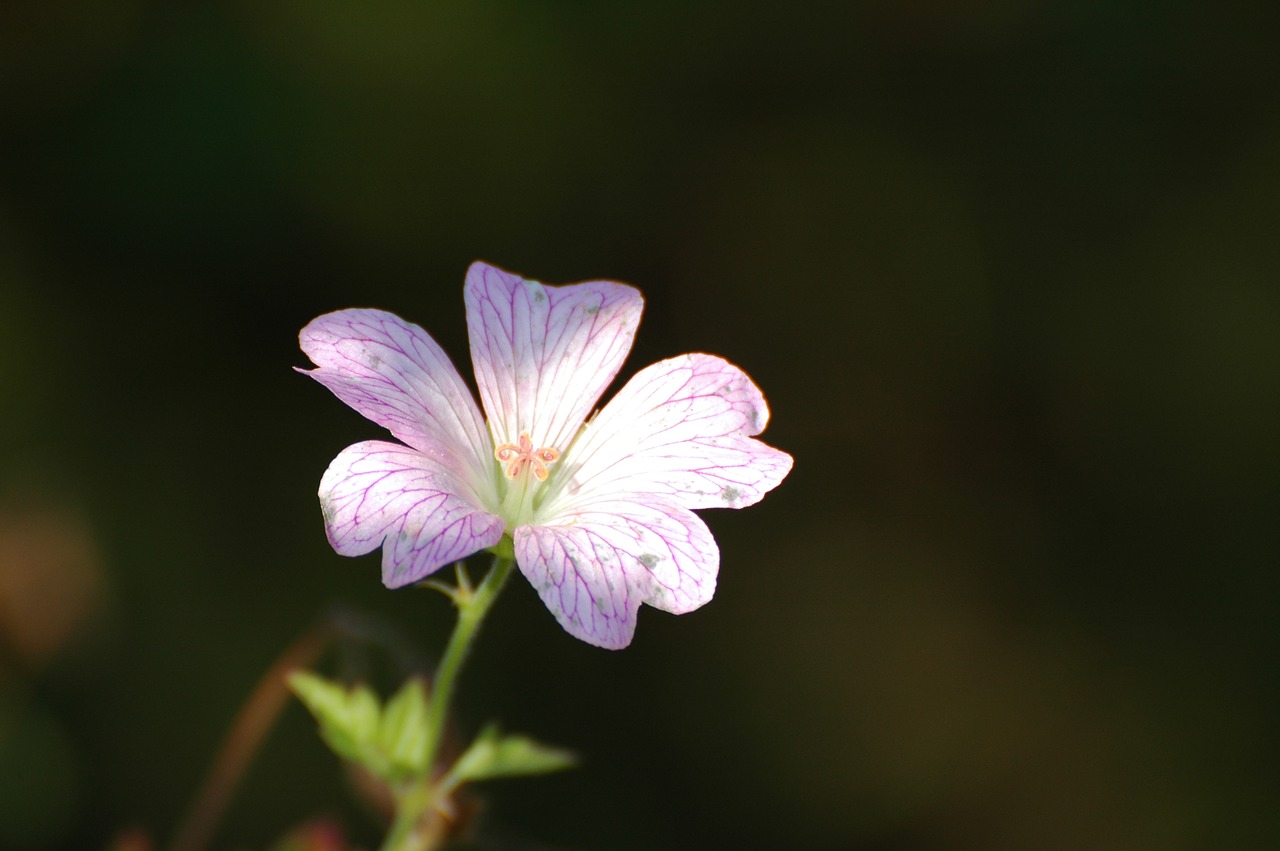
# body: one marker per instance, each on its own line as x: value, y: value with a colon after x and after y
x: 597, y: 507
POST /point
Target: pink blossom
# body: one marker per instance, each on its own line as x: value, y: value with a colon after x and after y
x: 596, y: 506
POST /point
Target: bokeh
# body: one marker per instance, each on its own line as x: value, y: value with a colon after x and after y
x: 1007, y: 270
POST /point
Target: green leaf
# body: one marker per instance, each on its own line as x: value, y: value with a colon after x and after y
x: 495, y: 755
x: 391, y: 741
x: 348, y: 718
x: 402, y: 735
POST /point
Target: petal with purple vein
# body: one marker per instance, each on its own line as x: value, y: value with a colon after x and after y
x: 378, y: 493
x: 681, y: 429
x: 543, y: 355
x: 392, y: 372
x: 595, y: 567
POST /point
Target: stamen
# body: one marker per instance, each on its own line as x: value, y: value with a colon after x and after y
x: 515, y: 455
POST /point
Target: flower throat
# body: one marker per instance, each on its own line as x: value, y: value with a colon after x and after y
x: 517, y: 459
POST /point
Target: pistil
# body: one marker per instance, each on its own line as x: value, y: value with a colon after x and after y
x: 514, y: 457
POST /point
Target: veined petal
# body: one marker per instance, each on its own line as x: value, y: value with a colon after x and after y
x: 680, y: 429
x: 392, y: 372
x: 543, y: 355
x: 594, y: 568
x: 377, y: 493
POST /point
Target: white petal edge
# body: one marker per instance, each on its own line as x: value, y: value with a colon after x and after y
x: 594, y: 568
x: 395, y: 374
x: 681, y: 429
x: 544, y: 354
x: 380, y: 494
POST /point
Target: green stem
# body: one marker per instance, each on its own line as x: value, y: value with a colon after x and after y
x: 412, y: 830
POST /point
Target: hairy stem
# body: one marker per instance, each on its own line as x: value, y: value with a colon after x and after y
x: 416, y: 827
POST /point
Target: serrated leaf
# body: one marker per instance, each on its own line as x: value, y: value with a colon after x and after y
x: 364, y: 714
x: 348, y: 718
x: 402, y: 735
x: 495, y: 755
x: 323, y: 698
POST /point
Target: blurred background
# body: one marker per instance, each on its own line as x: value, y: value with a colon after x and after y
x: 1007, y: 271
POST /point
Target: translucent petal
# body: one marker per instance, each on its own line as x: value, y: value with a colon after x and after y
x: 595, y: 567
x: 377, y: 493
x: 543, y: 355
x: 392, y: 372
x: 680, y: 429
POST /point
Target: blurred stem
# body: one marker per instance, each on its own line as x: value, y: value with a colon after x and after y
x: 417, y: 826
x: 251, y: 726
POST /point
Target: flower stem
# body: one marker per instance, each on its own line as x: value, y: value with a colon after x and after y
x: 413, y: 828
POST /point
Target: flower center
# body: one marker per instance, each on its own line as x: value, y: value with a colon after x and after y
x: 514, y: 457
x: 520, y: 498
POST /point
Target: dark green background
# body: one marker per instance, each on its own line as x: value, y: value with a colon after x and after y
x: 1008, y: 272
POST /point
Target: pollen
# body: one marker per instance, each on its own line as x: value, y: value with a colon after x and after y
x: 514, y: 457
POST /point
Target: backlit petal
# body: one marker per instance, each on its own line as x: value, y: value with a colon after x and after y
x: 377, y: 493
x: 681, y: 429
x: 392, y: 371
x: 595, y: 567
x: 543, y: 355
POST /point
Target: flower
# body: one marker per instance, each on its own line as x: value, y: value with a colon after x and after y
x: 597, y: 508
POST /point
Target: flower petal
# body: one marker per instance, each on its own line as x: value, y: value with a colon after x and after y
x: 682, y: 429
x: 392, y: 371
x: 595, y: 567
x: 377, y: 493
x: 543, y: 355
